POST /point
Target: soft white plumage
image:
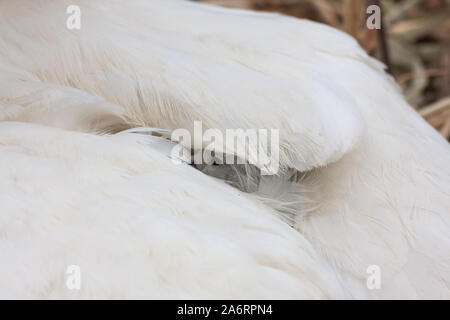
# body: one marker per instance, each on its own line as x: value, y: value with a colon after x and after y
x: 375, y: 179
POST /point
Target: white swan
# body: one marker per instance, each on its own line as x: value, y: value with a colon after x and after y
x: 375, y: 186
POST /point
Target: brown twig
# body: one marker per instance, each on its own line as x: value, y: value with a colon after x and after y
x: 352, y: 17
x: 404, y: 77
x: 383, y: 42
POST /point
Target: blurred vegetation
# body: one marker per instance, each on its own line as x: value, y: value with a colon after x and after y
x: 414, y: 42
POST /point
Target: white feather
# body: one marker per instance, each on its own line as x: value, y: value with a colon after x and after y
x: 376, y: 186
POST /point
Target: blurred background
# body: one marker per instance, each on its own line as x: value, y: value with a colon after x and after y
x: 414, y: 42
